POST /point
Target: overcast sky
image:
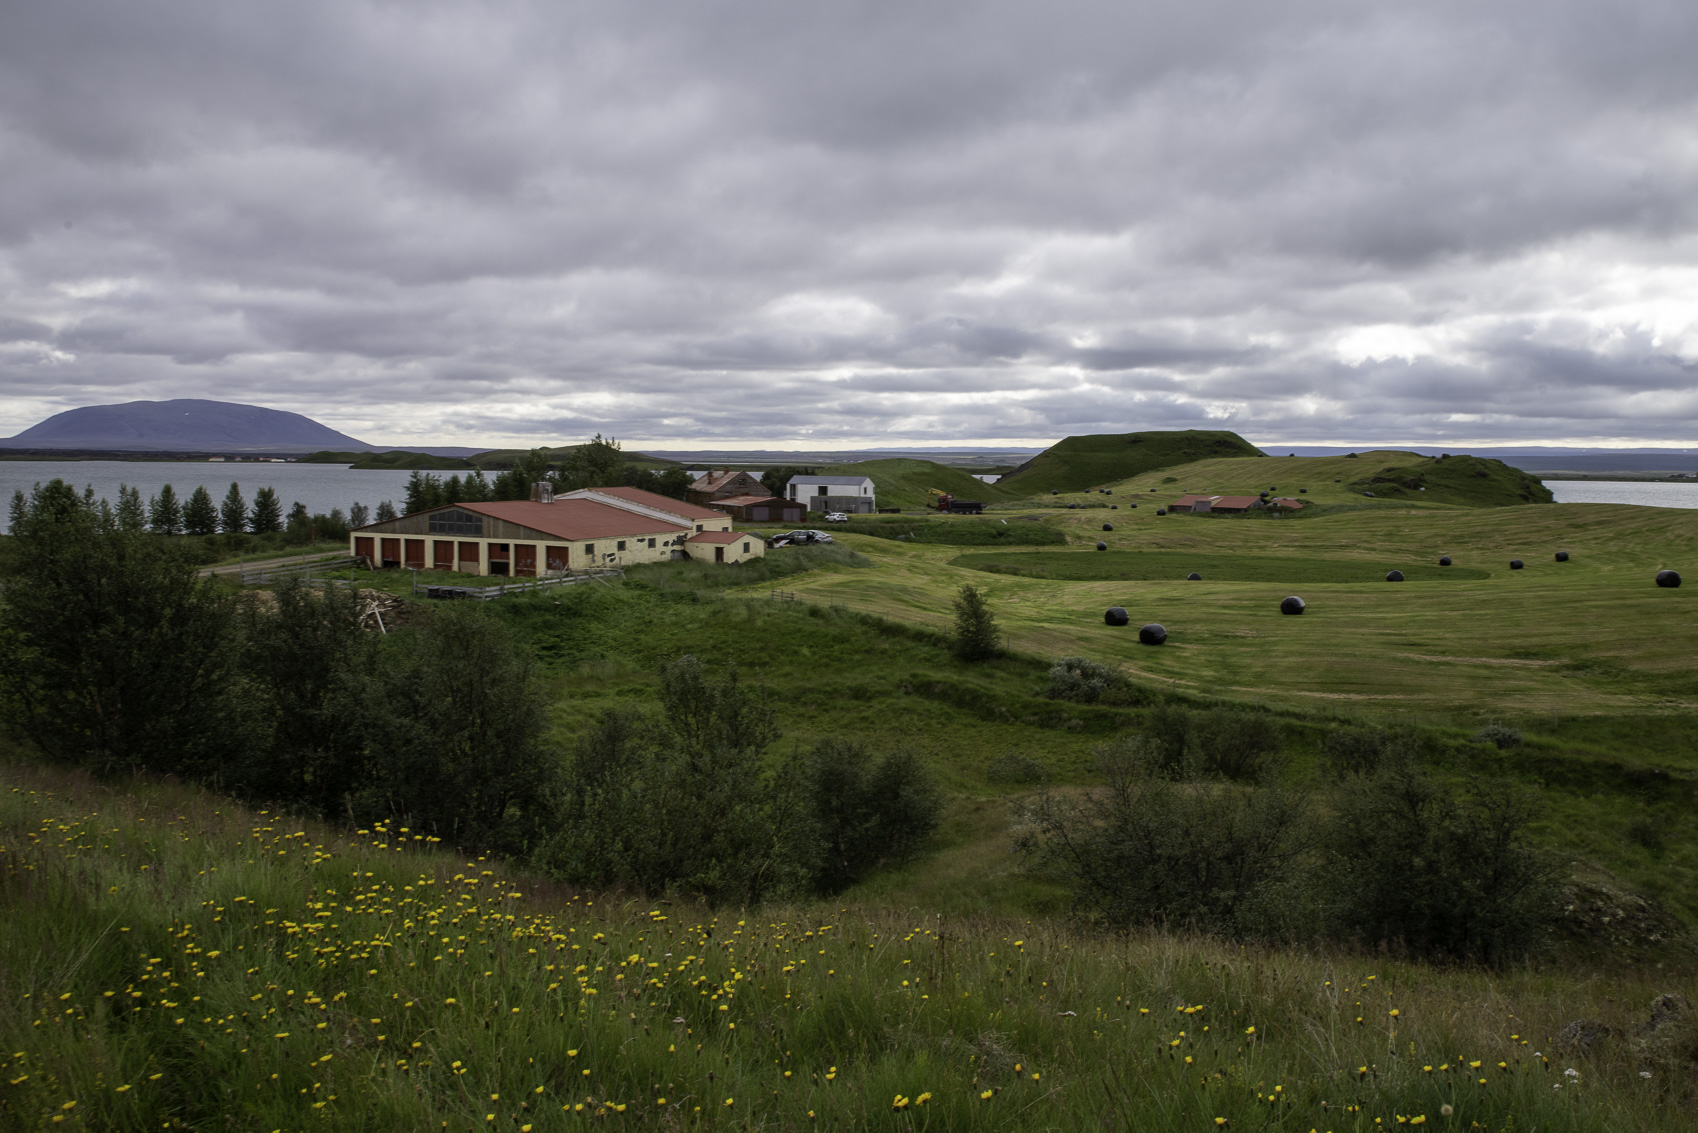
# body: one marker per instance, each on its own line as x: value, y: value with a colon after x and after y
x: 785, y: 224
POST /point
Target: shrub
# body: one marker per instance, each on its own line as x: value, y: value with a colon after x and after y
x: 1080, y: 680
x: 1149, y: 848
x: 1366, y: 751
x: 860, y: 813
x: 1234, y: 743
x: 1437, y: 871
x: 1499, y: 736
x: 1015, y: 767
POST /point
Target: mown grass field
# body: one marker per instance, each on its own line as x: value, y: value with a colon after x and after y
x: 173, y: 961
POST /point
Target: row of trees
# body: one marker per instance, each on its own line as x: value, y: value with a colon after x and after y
x: 166, y: 514
x: 601, y: 463
x: 116, y: 656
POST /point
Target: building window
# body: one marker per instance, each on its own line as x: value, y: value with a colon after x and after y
x: 651, y: 544
x: 589, y: 549
x: 698, y: 529
x: 745, y: 548
x: 455, y: 521
x: 621, y: 544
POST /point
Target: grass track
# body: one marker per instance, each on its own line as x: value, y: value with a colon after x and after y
x: 1165, y: 566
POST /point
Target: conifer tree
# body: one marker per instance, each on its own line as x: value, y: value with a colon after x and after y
x: 200, y: 516
x: 976, y: 634
x: 131, y: 516
x: 164, y: 513
x: 359, y: 515
x: 233, y: 515
x: 267, y: 513
x: 385, y: 512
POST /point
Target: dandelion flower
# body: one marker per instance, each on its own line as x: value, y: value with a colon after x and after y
x: 986, y: 1095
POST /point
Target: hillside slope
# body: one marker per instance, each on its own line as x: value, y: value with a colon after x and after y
x: 902, y: 482
x: 1078, y: 463
x: 182, y: 425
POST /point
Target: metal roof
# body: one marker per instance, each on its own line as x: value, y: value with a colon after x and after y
x: 575, y: 520
x: 718, y: 537
x: 829, y: 479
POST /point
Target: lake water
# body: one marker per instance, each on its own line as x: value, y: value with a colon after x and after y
x: 319, y: 486
x: 1645, y: 493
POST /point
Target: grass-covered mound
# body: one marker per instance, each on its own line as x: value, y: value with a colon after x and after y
x: 1100, y: 459
x: 901, y: 482
x: 1214, y: 566
x: 1470, y: 481
x: 957, y: 531
x: 175, y: 961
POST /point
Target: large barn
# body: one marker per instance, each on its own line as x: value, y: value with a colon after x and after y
x: 549, y: 534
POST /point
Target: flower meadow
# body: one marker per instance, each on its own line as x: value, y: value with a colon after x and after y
x: 170, y: 961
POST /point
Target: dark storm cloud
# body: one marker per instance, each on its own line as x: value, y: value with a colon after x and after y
x: 775, y: 224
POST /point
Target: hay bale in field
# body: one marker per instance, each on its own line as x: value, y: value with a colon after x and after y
x: 1515, y: 564
x: 1444, y: 560
x: 1116, y: 616
x: 1102, y: 546
x: 1161, y: 511
x: 1152, y: 634
x: 1292, y: 605
x: 1108, y: 527
x: 1668, y: 579
x: 1394, y: 576
x: 1562, y: 556
x: 1193, y: 577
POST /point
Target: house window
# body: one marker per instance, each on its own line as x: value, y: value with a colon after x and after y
x: 698, y: 529
x: 651, y: 544
x: 589, y: 549
x: 621, y: 544
x: 745, y: 548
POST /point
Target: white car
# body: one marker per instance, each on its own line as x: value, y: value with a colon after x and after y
x: 802, y: 536
x: 836, y: 517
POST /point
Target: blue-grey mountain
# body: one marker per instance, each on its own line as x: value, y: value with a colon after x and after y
x: 185, y: 425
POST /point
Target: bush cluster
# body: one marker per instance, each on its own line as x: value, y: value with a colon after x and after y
x: 1086, y: 682
x: 1384, y: 854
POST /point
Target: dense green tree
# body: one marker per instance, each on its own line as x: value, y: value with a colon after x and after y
x: 299, y: 526
x: 976, y: 634
x: 131, y: 515
x: 114, y: 654
x: 359, y: 515
x: 200, y: 514
x: 474, y: 488
x: 165, y: 513
x: 458, y: 744
x: 861, y: 812
x: 310, y: 667
x: 267, y: 515
x: 599, y: 463
x: 385, y: 512
x: 233, y: 513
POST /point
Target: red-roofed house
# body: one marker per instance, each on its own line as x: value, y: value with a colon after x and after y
x: 725, y: 546
x: 526, y: 538
x: 712, y: 487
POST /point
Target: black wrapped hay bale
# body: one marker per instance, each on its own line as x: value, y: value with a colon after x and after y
x: 1161, y: 511
x: 1367, y: 493
x: 1668, y: 579
x: 1116, y: 616
x: 1128, y: 505
x: 1108, y: 491
x: 1053, y: 492
x: 1152, y: 634
x: 1072, y: 507
x: 1562, y: 556
x: 1116, y: 507
x: 1394, y: 576
x: 1303, y: 491
x: 1291, y: 605
x: 1193, y: 577
x: 1102, y: 546
x: 1444, y: 560
x: 1515, y: 564
x: 1108, y: 527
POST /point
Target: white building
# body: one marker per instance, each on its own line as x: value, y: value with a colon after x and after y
x: 834, y: 493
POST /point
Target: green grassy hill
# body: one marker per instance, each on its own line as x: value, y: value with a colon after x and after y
x: 902, y: 482
x: 1100, y: 459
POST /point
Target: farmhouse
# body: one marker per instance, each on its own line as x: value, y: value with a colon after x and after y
x: 762, y: 509
x: 833, y: 493
x: 550, y: 534
x: 1231, y: 505
x: 711, y: 487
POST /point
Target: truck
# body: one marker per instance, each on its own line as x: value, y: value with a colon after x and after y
x: 948, y: 503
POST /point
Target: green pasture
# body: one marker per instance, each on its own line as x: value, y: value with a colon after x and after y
x: 1592, y: 635
x: 1165, y: 566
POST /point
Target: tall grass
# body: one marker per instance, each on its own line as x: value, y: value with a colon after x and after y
x: 173, y: 962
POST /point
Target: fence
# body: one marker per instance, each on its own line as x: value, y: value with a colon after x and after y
x: 264, y: 574
x: 501, y: 590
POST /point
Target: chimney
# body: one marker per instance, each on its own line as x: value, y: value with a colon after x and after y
x: 542, y: 492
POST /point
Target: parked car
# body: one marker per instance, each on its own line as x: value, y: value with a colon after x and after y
x: 836, y: 517
x: 800, y: 537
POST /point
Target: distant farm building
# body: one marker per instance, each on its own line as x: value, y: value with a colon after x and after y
x: 725, y: 546
x: 549, y: 534
x: 850, y: 494
x: 762, y: 509
x: 711, y: 487
x: 1224, y: 505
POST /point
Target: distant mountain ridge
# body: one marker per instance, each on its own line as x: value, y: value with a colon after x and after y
x: 182, y: 425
